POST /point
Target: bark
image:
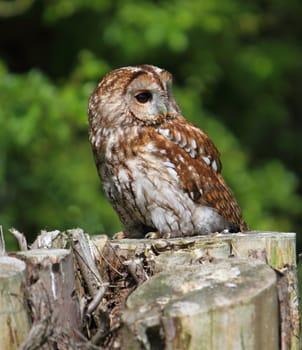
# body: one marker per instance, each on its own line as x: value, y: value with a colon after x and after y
x: 52, y: 297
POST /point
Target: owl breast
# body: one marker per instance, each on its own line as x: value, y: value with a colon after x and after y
x: 142, y: 173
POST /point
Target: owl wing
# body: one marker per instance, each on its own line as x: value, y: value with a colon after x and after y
x: 198, y: 165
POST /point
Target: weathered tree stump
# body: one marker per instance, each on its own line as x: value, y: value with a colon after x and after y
x: 276, y: 250
x: 53, y: 298
x: 220, y: 305
x: 221, y: 291
x: 14, y: 318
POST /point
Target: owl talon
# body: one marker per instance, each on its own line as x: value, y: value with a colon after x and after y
x: 153, y: 235
x: 119, y: 235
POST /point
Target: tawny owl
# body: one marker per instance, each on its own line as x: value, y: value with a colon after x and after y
x: 160, y: 172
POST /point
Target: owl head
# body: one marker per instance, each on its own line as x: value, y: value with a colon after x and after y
x: 136, y: 94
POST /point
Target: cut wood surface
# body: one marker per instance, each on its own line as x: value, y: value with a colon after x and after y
x: 275, y: 249
x: 221, y: 291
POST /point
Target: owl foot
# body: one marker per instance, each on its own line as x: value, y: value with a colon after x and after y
x: 153, y: 235
x: 119, y: 235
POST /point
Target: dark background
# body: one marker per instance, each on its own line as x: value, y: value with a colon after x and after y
x: 237, y: 69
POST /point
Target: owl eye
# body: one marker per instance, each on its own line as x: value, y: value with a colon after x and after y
x: 143, y: 97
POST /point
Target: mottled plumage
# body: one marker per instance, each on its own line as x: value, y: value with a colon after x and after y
x: 159, y: 171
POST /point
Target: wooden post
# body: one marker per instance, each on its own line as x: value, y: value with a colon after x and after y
x: 265, y: 317
x: 228, y: 305
x: 14, y: 314
x: 221, y: 291
x: 53, y: 298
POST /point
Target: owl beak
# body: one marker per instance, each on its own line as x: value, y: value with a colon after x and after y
x: 163, y: 110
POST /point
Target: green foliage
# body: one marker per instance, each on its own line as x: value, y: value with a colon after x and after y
x: 48, y: 177
x: 237, y: 68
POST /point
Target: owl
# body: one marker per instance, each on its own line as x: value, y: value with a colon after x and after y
x: 160, y: 173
